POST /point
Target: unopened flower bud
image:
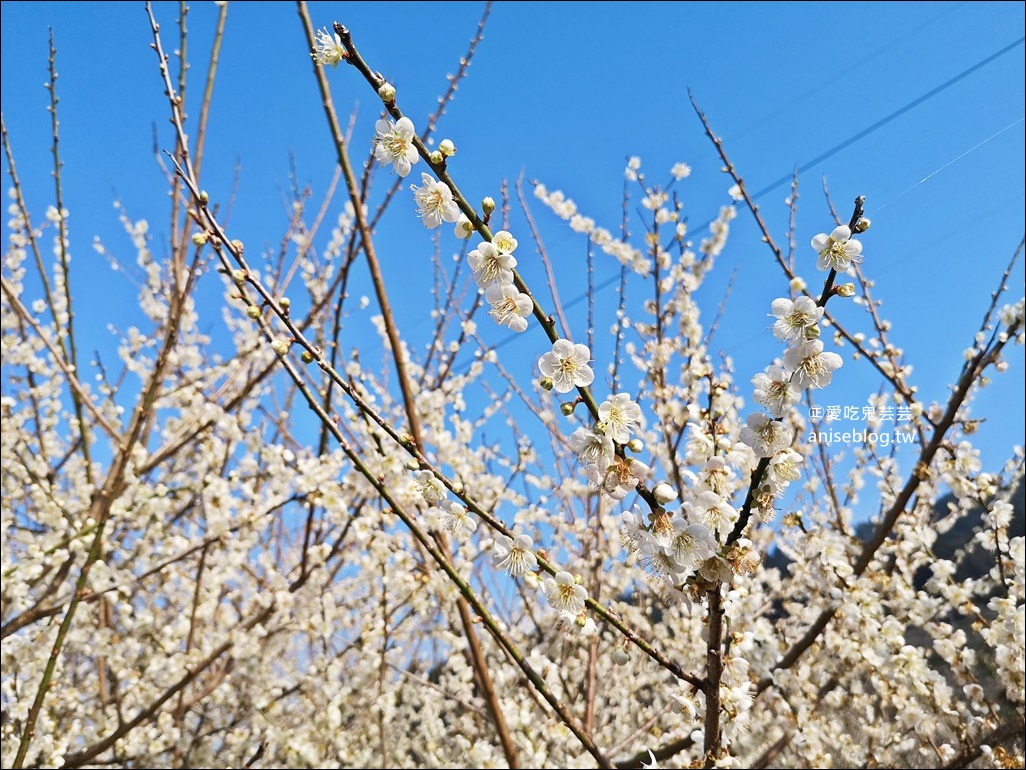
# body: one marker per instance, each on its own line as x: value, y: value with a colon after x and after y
x: 238, y: 245
x: 488, y: 205
x: 280, y: 346
x: 863, y: 224
x: 253, y: 312
x: 204, y: 198
x: 239, y: 276
x: 846, y: 290
x: 285, y: 303
x: 199, y: 239
x: 812, y: 332
x: 568, y: 408
x: 436, y: 157
x: 447, y: 148
x: 636, y: 445
x: 620, y: 656
x: 546, y: 383
x: 664, y: 493
x: 387, y: 93
x: 413, y: 464
x: 306, y: 357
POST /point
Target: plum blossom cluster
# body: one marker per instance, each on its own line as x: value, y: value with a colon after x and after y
x: 600, y: 448
x: 492, y: 263
x: 566, y: 209
x: 805, y: 366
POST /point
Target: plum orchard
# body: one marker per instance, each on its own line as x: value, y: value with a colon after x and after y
x: 470, y: 560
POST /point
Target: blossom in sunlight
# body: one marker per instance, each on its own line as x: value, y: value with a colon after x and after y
x: 715, y: 512
x: 812, y: 367
x: 510, y: 307
x: 567, y: 366
x: 565, y: 594
x: 504, y: 242
x: 622, y: 476
x: 765, y: 436
x: 430, y: 487
x: 491, y: 266
x: 837, y: 251
x: 328, y: 49
x: 393, y: 144
x: 783, y: 468
x: 455, y: 518
x: 618, y: 417
x: 435, y: 203
x: 680, y: 171
x: 794, y: 317
x: 775, y: 391
x: 690, y: 544
x: 592, y: 448
x: 514, y: 555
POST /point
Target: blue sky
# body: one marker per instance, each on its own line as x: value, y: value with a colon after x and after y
x: 917, y: 106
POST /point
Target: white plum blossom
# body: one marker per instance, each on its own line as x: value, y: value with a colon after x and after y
x: 328, y: 48
x: 514, y: 555
x: 715, y: 512
x: 765, y: 436
x: 794, y: 318
x: 393, y: 143
x: 812, y: 367
x: 567, y: 366
x: 592, y: 448
x: 490, y: 265
x: 680, y: 171
x: 435, y: 203
x: 622, y: 476
x: 430, y: 487
x: 775, y: 391
x: 618, y: 417
x: 565, y: 594
x: 510, y: 306
x: 504, y: 242
x: 837, y: 251
x: 690, y: 544
x: 455, y: 518
x: 783, y: 468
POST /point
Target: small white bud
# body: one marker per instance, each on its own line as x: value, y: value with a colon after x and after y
x: 664, y: 493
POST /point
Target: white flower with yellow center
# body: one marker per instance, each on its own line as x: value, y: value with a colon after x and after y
x: 811, y: 367
x: 765, y: 436
x: 565, y: 594
x: 567, y: 366
x: 794, y: 318
x: 514, y: 555
x: 491, y: 266
x: 510, y: 306
x: 837, y: 251
x: 328, y: 49
x: 434, y: 202
x: 618, y: 417
x: 393, y: 143
x: 774, y: 390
